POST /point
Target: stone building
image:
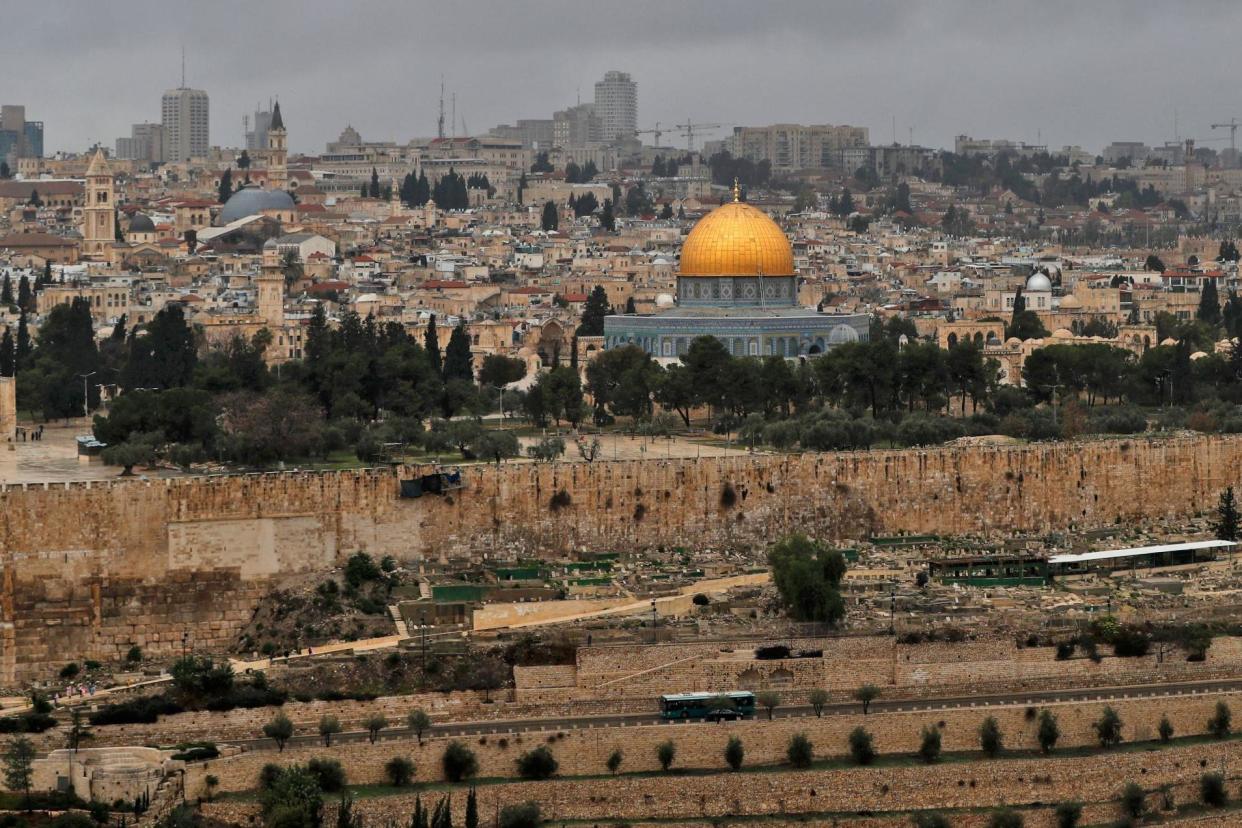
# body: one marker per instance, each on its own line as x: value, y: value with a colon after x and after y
x: 737, y: 282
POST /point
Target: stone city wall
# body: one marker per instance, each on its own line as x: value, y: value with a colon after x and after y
x: 110, y: 564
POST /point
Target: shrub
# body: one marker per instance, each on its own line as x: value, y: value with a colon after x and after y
x: 360, y: 568
x: 1006, y: 818
x: 700, y: 600
x: 525, y: 815
x: 329, y: 774
x: 800, y: 751
x: 1165, y: 729
x: 666, y: 752
x: 1065, y: 649
x: 861, y: 747
x: 1048, y: 731
x: 537, y: 764
x: 1108, y: 728
x: 399, y: 771
x: 929, y: 748
x: 459, y: 762
x: 134, y: 655
x: 930, y: 821
x: 1067, y: 814
x: 1221, y: 722
x: 1212, y: 790
x: 1129, y: 642
x: 614, y: 761
x: 734, y: 753
x: 196, y: 751
x: 991, y: 742
x: 772, y: 651
x: 1132, y: 800
x: 70, y: 670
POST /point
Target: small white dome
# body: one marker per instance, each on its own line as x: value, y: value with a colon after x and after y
x: 664, y: 300
x: 1198, y: 355
x: 1070, y: 302
x: 1038, y: 283
x: 1062, y: 333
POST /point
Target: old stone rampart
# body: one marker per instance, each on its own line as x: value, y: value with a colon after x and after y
x: 90, y: 568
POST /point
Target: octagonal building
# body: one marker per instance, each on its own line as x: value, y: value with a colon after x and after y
x: 736, y: 282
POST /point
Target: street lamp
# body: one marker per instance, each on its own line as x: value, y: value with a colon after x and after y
x: 86, y: 394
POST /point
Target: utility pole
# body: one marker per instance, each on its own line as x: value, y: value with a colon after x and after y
x: 440, y: 121
x: 86, y: 395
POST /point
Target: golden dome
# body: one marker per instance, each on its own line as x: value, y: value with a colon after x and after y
x: 737, y: 240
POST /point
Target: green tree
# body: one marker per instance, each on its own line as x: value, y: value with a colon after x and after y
x: 807, y: 577
x: 525, y: 815
x: 537, y: 764
x: 419, y: 722
x: 291, y: 797
x: 818, y: 697
x: 607, y: 218
x: 1108, y: 727
x: 225, y: 188
x: 593, y: 312
x: 1068, y: 814
x: 1209, y: 303
x: 1220, y: 724
x: 861, y: 746
x: 431, y: 344
x: 374, y: 724
x: 1006, y: 818
x: 1212, y: 790
x: 614, y: 761
x: 280, y: 730
x: 1047, y: 732
x: 458, y: 363
x: 666, y: 752
x: 931, y: 820
x: 399, y: 771
x: 1165, y: 730
x: 19, y: 759
x: 991, y: 740
x: 329, y: 725
x: 472, y: 809
x: 550, y: 219
x: 800, y: 751
x: 734, y: 753
x: 458, y: 762
x: 769, y: 700
x: 498, y: 370
x: 1226, y: 526
x: 6, y: 290
x: 929, y: 745
x: 867, y: 694
x: 1133, y: 800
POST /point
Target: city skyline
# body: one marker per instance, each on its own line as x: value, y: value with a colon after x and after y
x: 1007, y: 70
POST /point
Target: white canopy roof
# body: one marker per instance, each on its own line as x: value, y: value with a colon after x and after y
x: 1139, y: 550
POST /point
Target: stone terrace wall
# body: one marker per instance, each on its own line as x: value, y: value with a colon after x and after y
x: 109, y: 564
x: 1019, y: 781
x: 700, y: 745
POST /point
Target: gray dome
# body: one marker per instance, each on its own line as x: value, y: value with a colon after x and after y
x: 250, y: 201
x: 1039, y: 282
x: 141, y: 223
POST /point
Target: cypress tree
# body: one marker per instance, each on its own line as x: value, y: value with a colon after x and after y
x: 472, y: 809
x: 25, y: 299
x: 6, y: 290
x: 8, y: 354
x: 21, y: 356
x: 1209, y: 303
x: 457, y: 362
x: 431, y: 343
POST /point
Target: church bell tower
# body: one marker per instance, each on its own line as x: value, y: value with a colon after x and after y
x: 99, y: 210
x: 277, y: 152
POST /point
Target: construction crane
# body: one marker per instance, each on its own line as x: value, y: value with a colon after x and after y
x: 689, y: 128
x: 1232, y: 126
x: 657, y: 132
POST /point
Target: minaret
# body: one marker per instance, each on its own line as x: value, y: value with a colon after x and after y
x: 394, y: 201
x: 277, y: 152
x: 99, y: 213
x: 271, y: 287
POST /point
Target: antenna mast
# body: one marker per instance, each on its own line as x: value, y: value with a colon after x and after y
x: 454, y: 114
x: 440, y: 123
x: 183, y: 66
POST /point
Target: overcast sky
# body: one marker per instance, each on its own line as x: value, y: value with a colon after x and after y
x: 1060, y: 71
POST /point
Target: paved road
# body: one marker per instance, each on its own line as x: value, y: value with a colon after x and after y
x: 1034, y: 697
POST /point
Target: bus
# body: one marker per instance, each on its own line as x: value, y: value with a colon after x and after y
x: 712, y: 706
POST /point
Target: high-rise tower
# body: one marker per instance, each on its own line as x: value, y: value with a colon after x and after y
x: 616, y: 104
